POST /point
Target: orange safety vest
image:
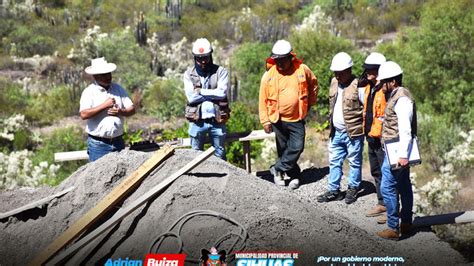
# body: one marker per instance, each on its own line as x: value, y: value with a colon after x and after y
x: 378, y: 111
x: 269, y: 90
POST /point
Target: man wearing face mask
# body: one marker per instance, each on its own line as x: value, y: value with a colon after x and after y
x: 104, y: 104
x: 207, y: 110
x: 374, y: 110
x: 287, y: 91
x: 400, y: 124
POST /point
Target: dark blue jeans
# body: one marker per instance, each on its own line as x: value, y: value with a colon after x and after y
x: 217, y: 132
x: 396, y: 185
x: 97, y: 148
x: 376, y: 157
x: 290, y: 144
x: 341, y: 146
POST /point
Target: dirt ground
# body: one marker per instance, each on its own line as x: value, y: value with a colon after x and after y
x: 276, y: 219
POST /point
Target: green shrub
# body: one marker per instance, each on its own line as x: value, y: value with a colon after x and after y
x: 171, y: 134
x: 14, y: 134
x: 241, y: 120
x: 12, y: 98
x: 212, y: 25
x: 132, y: 137
x: 433, y: 130
x: 32, y: 39
x: 53, y: 105
x: 6, y: 63
x: 22, y: 140
x: 165, y: 99
x: 437, y: 59
x: 305, y: 11
x: 61, y: 140
x: 370, y: 18
x: 119, y: 47
x: 248, y: 63
x: 132, y: 61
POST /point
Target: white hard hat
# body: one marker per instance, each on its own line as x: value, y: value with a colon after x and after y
x: 374, y: 60
x: 281, y: 49
x: 341, y: 61
x: 389, y: 69
x: 202, y: 47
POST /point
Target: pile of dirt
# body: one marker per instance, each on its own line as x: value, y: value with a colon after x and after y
x: 276, y: 219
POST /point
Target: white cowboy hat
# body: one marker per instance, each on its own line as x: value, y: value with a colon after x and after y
x: 100, y: 66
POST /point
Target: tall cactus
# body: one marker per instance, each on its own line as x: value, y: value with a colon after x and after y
x: 174, y: 9
x: 141, y: 30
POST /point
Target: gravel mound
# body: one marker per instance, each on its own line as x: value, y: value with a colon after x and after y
x: 275, y: 218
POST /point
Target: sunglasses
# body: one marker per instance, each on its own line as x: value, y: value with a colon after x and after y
x: 204, y: 58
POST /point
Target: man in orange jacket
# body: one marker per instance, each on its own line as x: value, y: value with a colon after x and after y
x: 374, y: 110
x: 287, y: 91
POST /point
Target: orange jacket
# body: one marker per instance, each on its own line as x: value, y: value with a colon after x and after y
x: 269, y: 93
x: 378, y: 111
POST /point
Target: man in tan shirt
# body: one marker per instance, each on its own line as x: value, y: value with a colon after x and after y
x: 346, y: 104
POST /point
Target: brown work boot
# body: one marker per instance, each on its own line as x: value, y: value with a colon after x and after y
x: 388, y: 234
x: 405, y: 228
x: 382, y: 219
x: 376, y: 211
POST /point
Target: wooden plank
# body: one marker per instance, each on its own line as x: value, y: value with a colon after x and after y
x: 257, y: 135
x: 124, y: 211
x: 34, y: 204
x: 71, y: 156
x: 104, y: 205
x: 179, y: 143
x: 448, y: 218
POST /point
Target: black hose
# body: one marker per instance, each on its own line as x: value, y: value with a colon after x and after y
x: 243, y: 235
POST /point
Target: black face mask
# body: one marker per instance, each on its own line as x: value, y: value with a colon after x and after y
x: 363, y: 81
x: 207, y: 70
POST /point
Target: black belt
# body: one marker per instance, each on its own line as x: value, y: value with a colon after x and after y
x: 106, y: 140
x: 209, y: 120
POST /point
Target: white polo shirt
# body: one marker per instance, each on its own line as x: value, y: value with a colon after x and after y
x: 103, y: 125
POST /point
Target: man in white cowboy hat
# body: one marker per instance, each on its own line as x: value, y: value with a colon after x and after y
x: 104, y: 104
x: 207, y: 110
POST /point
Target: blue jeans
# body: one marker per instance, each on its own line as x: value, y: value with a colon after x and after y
x: 198, y: 130
x: 340, y: 147
x: 395, y: 183
x: 97, y: 148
